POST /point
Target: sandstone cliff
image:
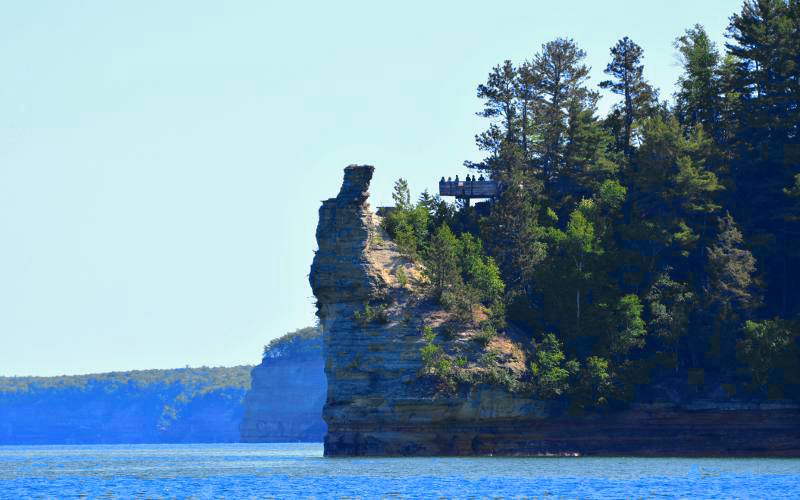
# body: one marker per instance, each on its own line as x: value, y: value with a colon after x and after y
x: 284, y: 403
x: 380, y: 401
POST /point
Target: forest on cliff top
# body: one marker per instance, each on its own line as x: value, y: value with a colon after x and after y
x: 659, y: 243
x: 142, y: 406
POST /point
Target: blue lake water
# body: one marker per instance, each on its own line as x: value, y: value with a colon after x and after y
x: 300, y: 471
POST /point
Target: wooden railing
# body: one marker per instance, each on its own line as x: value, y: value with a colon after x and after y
x: 469, y: 189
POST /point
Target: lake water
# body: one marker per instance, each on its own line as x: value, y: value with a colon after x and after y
x: 299, y: 470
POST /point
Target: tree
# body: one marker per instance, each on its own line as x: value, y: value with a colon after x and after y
x: 580, y: 243
x: 764, y: 345
x: 499, y: 94
x: 558, y: 75
x: 401, y: 195
x: 588, y: 156
x: 550, y: 372
x: 480, y: 271
x: 698, y: 100
x: 442, y: 261
x: 631, y: 331
x: 596, y: 380
x: 731, y: 268
x: 638, y: 96
x: 763, y: 43
x: 669, y: 305
x: 512, y: 232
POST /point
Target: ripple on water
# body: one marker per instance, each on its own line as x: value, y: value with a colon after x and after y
x: 299, y: 470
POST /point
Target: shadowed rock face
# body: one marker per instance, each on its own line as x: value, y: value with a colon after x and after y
x: 285, y: 401
x: 378, y: 404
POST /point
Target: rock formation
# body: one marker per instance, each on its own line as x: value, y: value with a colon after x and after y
x: 380, y: 403
x: 284, y: 403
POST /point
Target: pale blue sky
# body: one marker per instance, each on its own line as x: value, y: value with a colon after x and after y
x: 162, y: 163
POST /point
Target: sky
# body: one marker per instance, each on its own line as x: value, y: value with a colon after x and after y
x: 162, y: 163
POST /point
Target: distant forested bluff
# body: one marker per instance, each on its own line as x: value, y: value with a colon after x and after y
x: 186, y: 405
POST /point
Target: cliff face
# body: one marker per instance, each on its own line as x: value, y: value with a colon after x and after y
x: 377, y: 401
x: 288, y: 390
x: 380, y: 403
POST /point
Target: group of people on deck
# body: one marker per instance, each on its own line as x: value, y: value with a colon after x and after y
x: 468, y: 179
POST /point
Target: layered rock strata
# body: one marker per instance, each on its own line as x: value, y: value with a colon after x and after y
x: 284, y: 403
x: 379, y: 402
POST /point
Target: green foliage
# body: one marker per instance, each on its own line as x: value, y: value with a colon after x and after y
x: 408, y: 229
x: 480, y: 271
x: 699, y: 99
x: 549, y: 371
x: 173, y: 390
x: 372, y: 314
x: 402, y: 278
x: 643, y: 240
x: 441, y: 261
x: 595, y: 381
x: 731, y: 269
x: 611, y: 194
x: 486, y: 334
x: 765, y: 346
x: 638, y: 97
x: 631, y: 331
x: 402, y: 195
x: 493, y: 373
x: 303, y: 342
x: 436, y: 362
x: 669, y: 305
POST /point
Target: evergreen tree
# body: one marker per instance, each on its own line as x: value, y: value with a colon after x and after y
x: 638, y: 97
x: 588, y: 159
x: 512, y: 232
x: 499, y: 98
x: 698, y: 100
x: 558, y: 76
x: 766, y: 54
x: 630, y: 329
x: 401, y: 195
x: 731, y: 267
x: 441, y: 261
x: 581, y: 243
x: 669, y: 307
x: 766, y: 346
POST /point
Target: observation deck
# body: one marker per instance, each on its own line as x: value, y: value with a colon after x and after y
x: 469, y: 189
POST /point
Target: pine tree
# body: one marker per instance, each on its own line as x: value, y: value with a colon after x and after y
x: 588, y: 159
x: 698, y: 100
x: 512, y: 231
x: 764, y: 44
x: 638, y: 97
x: 401, y: 195
x: 441, y: 261
x: 558, y: 76
x: 499, y: 94
x: 731, y: 268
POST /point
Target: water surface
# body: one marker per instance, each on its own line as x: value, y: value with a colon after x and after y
x: 299, y: 470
